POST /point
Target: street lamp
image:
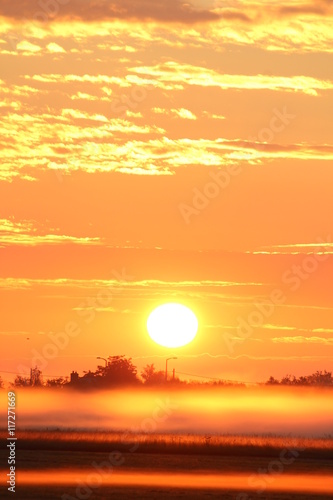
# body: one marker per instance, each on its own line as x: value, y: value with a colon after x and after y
x: 166, y: 368
x: 106, y: 361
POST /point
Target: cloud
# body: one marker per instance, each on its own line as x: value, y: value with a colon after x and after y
x: 25, y: 233
x: 265, y: 25
x: 323, y: 330
x: 85, y: 97
x: 103, y: 309
x: 180, y: 113
x: 241, y: 357
x: 174, y: 73
x: 58, y: 78
x: 54, y: 48
x: 213, y: 116
x: 92, y: 151
x: 132, y: 114
x: 318, y: 248
x: 234, y: 15
x: 184, y: 113
x: 172, y: 11
x: 26, y: 46
x: 142, y: 287
x: 268, y: 326
x: 317, y: 8
x: 302, y: 340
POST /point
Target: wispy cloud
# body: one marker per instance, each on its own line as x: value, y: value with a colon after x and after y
x: 241, y: 357
x: 278, y: 327
x: 323, y: 330
x: 26, y: 233
x: 181, y: 113
x: 174, y: 73
x: 148, y: 285
x: 323, y: 247
x: 302, y: 340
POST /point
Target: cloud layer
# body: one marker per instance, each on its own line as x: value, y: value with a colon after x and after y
x: 89, y: 10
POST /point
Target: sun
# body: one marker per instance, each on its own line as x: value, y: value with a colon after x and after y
x: 172, y: 325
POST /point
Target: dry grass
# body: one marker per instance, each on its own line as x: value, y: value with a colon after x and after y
x: 70, y: 449
x: 242, y: 445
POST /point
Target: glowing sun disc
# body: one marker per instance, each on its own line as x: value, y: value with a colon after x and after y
x: 172, y: 325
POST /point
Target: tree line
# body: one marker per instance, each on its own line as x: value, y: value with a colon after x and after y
x: 120, y: 371
x: 319, y: 378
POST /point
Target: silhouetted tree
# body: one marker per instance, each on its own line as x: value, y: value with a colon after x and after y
x: 56, y: 382
x: 302, y: 381
x: 319, y: 378
x: 35, y: 379
x: 288, y: 380
x: 151, y: 376
x: 21, y: 381
x: 119, y: 371
x: 272, y: 381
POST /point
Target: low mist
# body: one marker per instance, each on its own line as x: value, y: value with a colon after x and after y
x: 279, y: 411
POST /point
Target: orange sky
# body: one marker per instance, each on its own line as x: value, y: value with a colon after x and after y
x: 158, y: 151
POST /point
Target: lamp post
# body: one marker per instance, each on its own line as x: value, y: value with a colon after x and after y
x: 106, y: 361
x: 166, y: 368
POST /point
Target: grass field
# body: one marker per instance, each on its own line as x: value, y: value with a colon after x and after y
x: 168, y: 456
x: 240, y: 445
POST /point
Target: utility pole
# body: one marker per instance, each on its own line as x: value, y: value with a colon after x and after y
x: 166, y: 367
